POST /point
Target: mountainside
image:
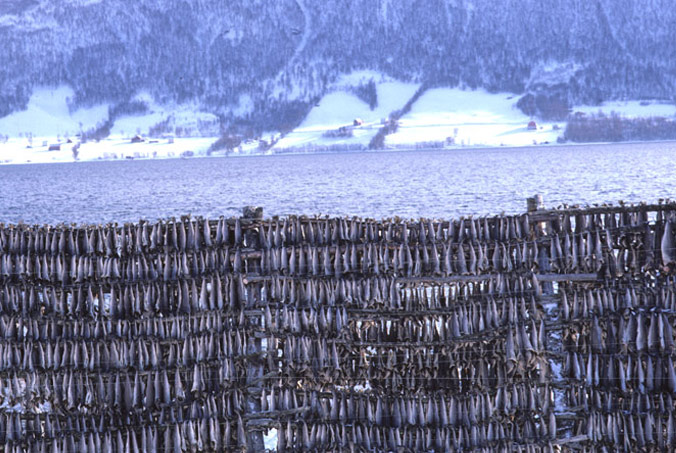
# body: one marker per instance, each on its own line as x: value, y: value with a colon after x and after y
x: 266, y: 62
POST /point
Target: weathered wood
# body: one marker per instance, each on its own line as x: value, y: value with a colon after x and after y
x: 535, y: 203
x: 571, y: 440
x: 254, y: 372
x: 567, y: 277
x: 549, y: 214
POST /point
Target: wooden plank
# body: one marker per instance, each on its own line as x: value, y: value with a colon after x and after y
x: 571, y: 440
x: 437, y: 280
x: 549, y: 214
x: 567, y: 277
x: 254, y: 370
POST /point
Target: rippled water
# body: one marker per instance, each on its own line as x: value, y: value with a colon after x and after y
x: 446, y: 183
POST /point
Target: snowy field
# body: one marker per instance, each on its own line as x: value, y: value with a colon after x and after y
x: 47, y: 131
x: 469, y: 118
x: 47, y: 115
x: 450, y: 117
x: 631, y: 109
x: 15, y: 150
x: 341, y: 108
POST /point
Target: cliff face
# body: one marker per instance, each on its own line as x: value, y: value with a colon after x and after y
x: 281, y: 54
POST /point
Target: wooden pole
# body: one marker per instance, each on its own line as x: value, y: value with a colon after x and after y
x: 535, y: 203
x: 254, y: 371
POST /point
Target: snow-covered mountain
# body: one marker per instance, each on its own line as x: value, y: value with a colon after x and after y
x: 266, y: 63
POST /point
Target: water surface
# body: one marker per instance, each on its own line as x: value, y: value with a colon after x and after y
x: 440, y: 183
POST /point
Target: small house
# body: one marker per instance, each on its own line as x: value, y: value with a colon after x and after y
x: 532, y: 126
x: 137, y: 139
x: 357, y: 122
x: 55, y: 147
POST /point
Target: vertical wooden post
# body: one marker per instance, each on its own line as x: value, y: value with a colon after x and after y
x: 254, y: 371
x: 533, y: 204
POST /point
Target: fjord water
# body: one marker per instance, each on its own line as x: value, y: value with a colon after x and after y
x: 412, y: 184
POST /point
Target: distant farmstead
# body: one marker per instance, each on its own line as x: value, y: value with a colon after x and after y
x: 532, y: 126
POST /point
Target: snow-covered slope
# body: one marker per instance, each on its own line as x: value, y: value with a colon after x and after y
x: 47, y: 115
x: 340, y: 109
x: 468, y: 118
x: 631, y: 109
x: 440, y: 117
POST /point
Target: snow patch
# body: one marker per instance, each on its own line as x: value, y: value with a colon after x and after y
x: 84, y: 2
x: 356, y: 78
x: 20, y: 151
x: 179, y: 119
x: 469, y: 118
x: 270, y: 439
x: 341, y: 109
x: 384, y: 6
x: 551, y: 73
x: 47, y: 114
x: 631, y: 109
x: 245, y: 105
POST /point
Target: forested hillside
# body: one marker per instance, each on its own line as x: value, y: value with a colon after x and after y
x: 266, y: 61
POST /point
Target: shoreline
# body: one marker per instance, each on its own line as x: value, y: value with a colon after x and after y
x: 412, y: 148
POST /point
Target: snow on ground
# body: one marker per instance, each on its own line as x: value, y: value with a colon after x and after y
x: 469, y: 118
x: 28, y: 135
x: 448, y: 117
x: 631, y: 109
x: 270, y: 439
x: 186, y: 118
x: 16, y: 150
x: 356, y: 78
x: 47, y: 115
x: 341, y: 108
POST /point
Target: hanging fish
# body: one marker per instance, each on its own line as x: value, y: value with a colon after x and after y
x: 667, y: 245
x: 238, y: 232
x: 461, y: 262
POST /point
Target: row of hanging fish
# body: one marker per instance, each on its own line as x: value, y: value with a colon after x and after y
x: 19, y: 329
x: 466, y: 320
x: 481, y: 366
x: 196, y: 234
x: 631, y: 432
x: 211, y: 436
x: 643, y: 374
x: 111, y: 354
x: 468, y: 378
x: 120, y: 395
x: 191, y: 296
x: 589, y: 399
x: 526, y: 435
x: 443, y: 259
x: 124, y: 393
x: 580, y: 254
x: 633, y: 333
x: 579, y: 303
x: 206, y: 435
x: 187, y: 233
x: 435, y: 410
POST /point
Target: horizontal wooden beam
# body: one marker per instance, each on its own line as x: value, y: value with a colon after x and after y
x: 440, y: 280
x: 549, y: 214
